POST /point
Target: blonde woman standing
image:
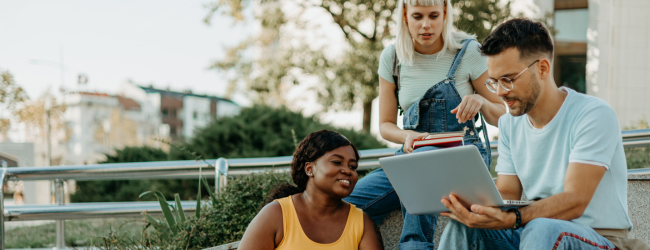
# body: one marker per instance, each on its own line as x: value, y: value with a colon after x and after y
x: 436, y: 76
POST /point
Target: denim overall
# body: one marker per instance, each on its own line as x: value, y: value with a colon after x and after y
x: 430, y: 113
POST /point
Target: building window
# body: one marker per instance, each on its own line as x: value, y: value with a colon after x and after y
x: 195, y: 115
x: 570, y: 62
x: 165, y: 113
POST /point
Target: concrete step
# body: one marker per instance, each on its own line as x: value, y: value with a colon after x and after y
x: 638, y: 199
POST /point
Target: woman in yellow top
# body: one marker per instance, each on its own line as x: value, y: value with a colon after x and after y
x: 312, y: 214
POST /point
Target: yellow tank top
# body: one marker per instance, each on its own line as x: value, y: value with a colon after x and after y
x: 295, y: 237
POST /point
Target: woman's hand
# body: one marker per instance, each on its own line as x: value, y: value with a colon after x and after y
x: 410, y: 137
x: 468, y: 108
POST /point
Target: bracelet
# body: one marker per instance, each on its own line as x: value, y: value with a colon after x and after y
x: 518, y: 219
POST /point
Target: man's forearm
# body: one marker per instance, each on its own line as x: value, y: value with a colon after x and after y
x: 562, y: 206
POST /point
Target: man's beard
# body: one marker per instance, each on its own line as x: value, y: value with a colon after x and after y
x: 529, y: 102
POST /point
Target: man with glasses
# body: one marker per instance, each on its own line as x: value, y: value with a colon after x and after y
x: 557, y: 146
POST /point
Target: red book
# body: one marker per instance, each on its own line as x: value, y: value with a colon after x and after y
x: 444, y: 140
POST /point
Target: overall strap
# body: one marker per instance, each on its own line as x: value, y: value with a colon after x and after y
x: 457, y: 58
x: 396, y: 70
x: 487, y: 142
x: 451, y: 75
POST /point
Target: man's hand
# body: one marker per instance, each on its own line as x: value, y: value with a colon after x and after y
x: 480, y: 217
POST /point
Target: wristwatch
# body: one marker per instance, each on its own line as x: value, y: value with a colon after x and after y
x: 518, y: 219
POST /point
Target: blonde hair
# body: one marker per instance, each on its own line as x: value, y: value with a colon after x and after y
x: 450, y: 36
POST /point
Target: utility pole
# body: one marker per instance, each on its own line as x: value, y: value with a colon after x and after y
x: 59, y: 195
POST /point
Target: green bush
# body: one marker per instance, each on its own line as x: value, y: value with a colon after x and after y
x: 262, y: 131
x: 638, y: 157
x: 221, y: 222
x: 258, y: 131
x: 128, y: 190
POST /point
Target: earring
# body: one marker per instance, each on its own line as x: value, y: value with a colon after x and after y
x: 310, y: 174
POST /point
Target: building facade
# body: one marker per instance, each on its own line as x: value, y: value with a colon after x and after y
x: 182, y: 112
x: 98, y: 123
x: 602, y: 49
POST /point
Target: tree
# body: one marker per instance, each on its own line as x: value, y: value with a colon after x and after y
x: 33, y: 114
x: 258, y: 131
x: 286, y: 54
x: 262, y: 131
x: 11, y: 95
x: 479, y: 17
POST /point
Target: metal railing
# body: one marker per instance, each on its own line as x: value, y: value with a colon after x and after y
x: 176, y: 170
x: 137, y: 171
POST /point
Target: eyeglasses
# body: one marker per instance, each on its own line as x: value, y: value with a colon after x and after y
x: 506, y: 83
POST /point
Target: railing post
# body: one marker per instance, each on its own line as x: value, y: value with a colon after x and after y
x: 221, y: 172
x: 59, y: 197
x: 3, y: 173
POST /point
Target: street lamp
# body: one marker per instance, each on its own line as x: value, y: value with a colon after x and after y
x: 59, y: 65
x: 59, y: 193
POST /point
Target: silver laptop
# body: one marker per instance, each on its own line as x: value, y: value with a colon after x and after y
x: 422, y: 179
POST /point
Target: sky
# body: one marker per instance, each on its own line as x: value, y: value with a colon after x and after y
x: 162, y: 43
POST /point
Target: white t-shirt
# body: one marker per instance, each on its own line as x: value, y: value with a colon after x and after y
x: 584, y: 130
x: 428, y: 70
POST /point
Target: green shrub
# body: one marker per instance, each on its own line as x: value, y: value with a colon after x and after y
x: 128, y: 190
x: 262, y: 131
x: 638, y: 157
x: 258, y: 131
x: 222, y: 222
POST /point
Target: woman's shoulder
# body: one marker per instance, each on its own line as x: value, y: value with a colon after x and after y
x: 272, y: 211
x: 473, y: 49
x: 388, y: 54
x: 357, y: 212
x: 389, y: 49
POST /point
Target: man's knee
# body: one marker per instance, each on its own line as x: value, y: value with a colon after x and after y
x: 541, y: 228
x: 454, y: 225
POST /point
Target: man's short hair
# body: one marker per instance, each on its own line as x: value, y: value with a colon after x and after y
x: 531, y: 38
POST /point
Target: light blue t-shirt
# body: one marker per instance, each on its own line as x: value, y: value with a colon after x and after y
x: 585, y: 129
x: 427, y: 70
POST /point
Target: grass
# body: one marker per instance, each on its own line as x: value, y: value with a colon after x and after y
x: 77, y: 233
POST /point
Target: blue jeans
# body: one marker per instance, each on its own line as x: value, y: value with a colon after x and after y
x: 375, y: 195
x: 540, y: 233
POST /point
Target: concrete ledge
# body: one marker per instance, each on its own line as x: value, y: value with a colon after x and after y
x: 638, y: 200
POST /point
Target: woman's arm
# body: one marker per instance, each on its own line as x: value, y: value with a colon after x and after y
x: 490, y: 105
x: 388, y: 118
x: 371, y: 238
x: 494, y: 107
x: 265, y: 231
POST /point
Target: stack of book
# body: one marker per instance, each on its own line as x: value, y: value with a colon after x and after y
x: 443, y: 140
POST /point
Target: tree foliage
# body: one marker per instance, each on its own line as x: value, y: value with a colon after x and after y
x: 258, y: 131
x: 638, y: 157
x: 11, y: 96
x: 290, y: 46
x: 262, y: 131
x: 32, y: 113
x: 479, y: 17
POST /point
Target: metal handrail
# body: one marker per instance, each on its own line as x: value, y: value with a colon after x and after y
x: 169, y: 169
x: 90, y: 210
x: 190, y: 169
